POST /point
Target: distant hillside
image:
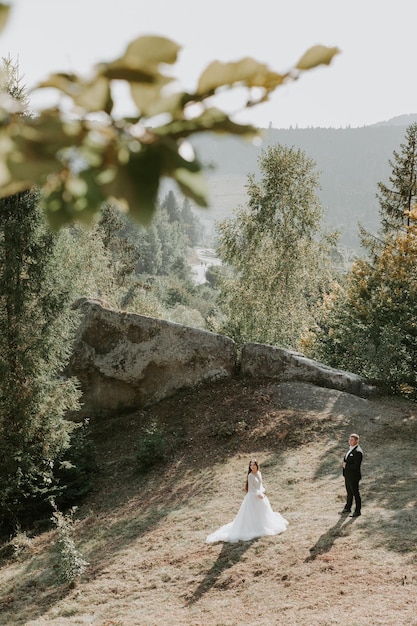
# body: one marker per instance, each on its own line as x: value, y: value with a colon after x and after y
x: 351, y: 162
x: 400, y: 120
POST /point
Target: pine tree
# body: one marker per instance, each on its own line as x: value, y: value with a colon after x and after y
x: 123, y: 251
x: 371, y: 327
x: 36, y: 330
x: 397, y: 199
x: 170, y: 205
x: 191, y: 224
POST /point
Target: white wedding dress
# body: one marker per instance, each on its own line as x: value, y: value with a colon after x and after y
x: 255, y: 517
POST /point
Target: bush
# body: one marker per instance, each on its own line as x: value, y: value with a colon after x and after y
x: 70, y: 562
x: 76, y: 467
x: 151, y: 449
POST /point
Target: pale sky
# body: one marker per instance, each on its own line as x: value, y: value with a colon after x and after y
x: 372, y: 80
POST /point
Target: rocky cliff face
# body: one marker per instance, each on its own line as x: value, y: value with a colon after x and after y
x: 126, y: 361
x: 263, y: 361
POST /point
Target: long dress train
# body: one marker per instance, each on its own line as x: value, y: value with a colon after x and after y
x: 255, y: 517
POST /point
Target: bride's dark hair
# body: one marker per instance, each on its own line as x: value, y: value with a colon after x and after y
x: 249, y: 471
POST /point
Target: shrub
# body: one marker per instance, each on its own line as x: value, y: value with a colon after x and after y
x: 151, y: 449
x: 76, y: 467
x: 70, y: 562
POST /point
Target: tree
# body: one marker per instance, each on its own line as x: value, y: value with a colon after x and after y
x: 278, y: 257
x: 397, y: 200
x: 36, y: 330
x: 192, y: 225
x: 80, y: 162
x: 371, y: 326
x: 171, y: 207
x: 163, y: 245
x: 118, y: 241
x: 122, y: 253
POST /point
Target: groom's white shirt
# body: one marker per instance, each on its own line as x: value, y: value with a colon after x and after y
x: 349, y: 451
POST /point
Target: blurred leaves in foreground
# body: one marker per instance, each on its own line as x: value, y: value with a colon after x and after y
x: 81, y: 154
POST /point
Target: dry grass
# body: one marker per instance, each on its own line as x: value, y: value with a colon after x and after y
x: 144, y: 537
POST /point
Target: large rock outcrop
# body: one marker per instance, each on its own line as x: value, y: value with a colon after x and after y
x: 126, y: 361
x: 263, y: 361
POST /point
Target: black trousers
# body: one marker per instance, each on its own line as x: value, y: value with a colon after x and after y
x: 352, y: 490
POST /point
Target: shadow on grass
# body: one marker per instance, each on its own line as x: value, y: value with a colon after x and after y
x: 124, y: 506
x: 326, y: 541
x: 231, y: 553
x: 389, y: 480
x: 100, y: 538
x: 34, y: 589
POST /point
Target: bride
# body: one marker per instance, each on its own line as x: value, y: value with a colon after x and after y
x: 255, y: 517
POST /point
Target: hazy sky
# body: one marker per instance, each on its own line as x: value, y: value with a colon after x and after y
x: 373, y: 79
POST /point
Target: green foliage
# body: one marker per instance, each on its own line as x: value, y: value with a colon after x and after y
x: 36, y: 332
x: 399, y: 198
x: 100, y: 262
x: 144, y: 270
x: 76, y: 467
x: 371, y: 328
x: 71, y: 564
x: 278, y: 259
x: 212, y: 275
x: 185, y: 315
x: 152, y: 448
x: 193, y: 228
x: 118, y: 241
x: 11, y: 83
x: 164, y: 244
x: 163, y: 267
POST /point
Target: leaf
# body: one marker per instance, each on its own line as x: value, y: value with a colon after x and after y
x: 45, y: 135
x: 119, y: 71
x: 137, y: 183
x: 193, y: 185
x: 61, y: 80
x: 142, y: 60
x: 317, y: 55
x: 92, y: 96
x: 125, y: 159
x: 67, y: 198
x: 95, y: 96
x: 212, y: 119
x: 4, y: 15
x: 247, y: 71
x: 29, y: 170
x: 149, y: 100
x: 187, y: 173
x: 151, y: 50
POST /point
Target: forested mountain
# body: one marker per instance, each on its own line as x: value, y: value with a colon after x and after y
x: 351, y: 162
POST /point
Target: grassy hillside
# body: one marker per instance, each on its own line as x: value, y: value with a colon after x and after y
x: 144, y: 536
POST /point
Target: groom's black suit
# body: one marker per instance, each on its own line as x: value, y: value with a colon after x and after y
x: 352, y: 474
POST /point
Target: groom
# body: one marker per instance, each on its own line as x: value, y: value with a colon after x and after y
x: 352, y: 473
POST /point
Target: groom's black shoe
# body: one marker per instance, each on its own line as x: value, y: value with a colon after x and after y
x: 345, y: 511
x: 355, y: 514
